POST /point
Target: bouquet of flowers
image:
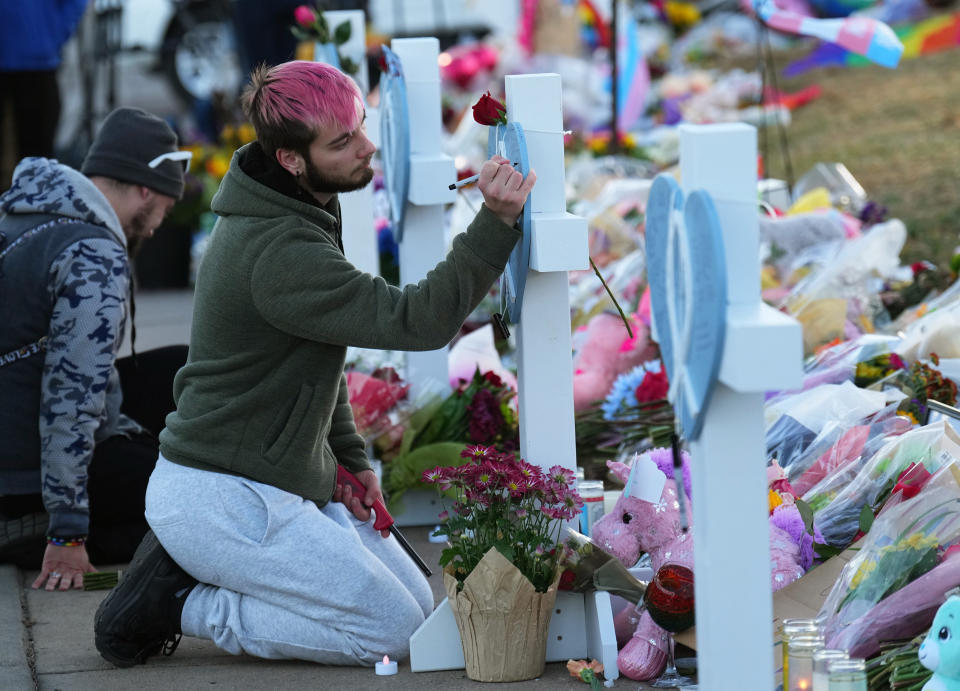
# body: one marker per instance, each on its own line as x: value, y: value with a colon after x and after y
x: 634, y: 416
x: 838, y: 507
x: 478, y: 411
x: 376, y: 399
x: 924, y: 383
x: 901, y: 546
x: 587, y: 566
x: 505, y: 503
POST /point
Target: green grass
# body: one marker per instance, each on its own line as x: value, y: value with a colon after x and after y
x: 897, y: 131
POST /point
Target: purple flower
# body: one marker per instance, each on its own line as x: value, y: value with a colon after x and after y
x: 485, y: 417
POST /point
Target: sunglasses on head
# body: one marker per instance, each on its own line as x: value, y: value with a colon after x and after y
x: 183, y: 156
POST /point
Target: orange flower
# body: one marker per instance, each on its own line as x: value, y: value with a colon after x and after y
x: 774, y: 500
x: 577, y: 668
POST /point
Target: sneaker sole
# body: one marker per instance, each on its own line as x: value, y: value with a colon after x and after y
x: 17, y: 532
x: 119, y: 601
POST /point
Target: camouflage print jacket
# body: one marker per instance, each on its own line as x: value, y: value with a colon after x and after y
x: 64, y: 283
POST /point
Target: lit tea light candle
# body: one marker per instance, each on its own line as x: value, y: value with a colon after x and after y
x: 387, y: 667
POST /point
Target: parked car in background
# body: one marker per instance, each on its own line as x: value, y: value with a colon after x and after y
x: 192, y: 40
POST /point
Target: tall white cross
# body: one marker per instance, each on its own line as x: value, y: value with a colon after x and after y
x: 431, y: 172
x: 762, y: 352
x: 558, y: 244
x: 356, y: 208
x: 582, y: 625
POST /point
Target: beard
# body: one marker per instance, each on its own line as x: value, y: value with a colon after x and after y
x: 333, y: 184
x: 138, y: 229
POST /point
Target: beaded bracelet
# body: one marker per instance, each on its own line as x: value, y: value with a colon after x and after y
x: 78, y: 541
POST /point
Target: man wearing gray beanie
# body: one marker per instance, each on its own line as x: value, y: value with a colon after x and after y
x: 74, y: 466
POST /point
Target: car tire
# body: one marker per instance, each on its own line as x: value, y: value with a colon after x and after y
x: 199, y: 55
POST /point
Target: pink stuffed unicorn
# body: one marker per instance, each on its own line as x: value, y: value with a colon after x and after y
x: 604, y: 351
x: 636, y: 526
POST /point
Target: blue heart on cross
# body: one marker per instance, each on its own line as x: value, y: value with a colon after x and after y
x: 509, y: 141
x: 395, y: 139
x: 687, y: 273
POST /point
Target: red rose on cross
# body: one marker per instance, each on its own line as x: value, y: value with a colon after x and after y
x: 489, y: 111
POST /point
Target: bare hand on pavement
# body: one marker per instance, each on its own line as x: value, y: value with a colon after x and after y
x: 63, y: 568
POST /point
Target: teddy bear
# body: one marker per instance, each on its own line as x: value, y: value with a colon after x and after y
x: 605, y: 351
x: 940, y: 650
x: 637, y: 525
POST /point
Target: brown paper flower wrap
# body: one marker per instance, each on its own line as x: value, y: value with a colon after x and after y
x: 503, y: 620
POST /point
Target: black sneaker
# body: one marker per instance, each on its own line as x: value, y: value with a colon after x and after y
x: 141, y: 616
x: 22, y: 539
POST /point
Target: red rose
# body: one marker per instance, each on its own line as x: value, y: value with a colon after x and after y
x: 489, y: 111
x: 305, y: 16
x: 566, y: 580
x: 491, y: 378
x: 653, y: 387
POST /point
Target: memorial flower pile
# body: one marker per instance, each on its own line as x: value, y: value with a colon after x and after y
x: 375, y: 399
x: 504, y: 502
x: 925, y: 383
x: 634, y: 416
x: 480, y: 410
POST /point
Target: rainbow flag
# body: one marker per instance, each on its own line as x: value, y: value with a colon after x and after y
x: 633, y: 75
x: 870, y: 38
x: 920, y: 38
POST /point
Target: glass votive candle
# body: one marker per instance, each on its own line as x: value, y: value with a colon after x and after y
x: 800, y: 650
x: 821, y: 666
x: 848, y: 675
x: 790, y: 629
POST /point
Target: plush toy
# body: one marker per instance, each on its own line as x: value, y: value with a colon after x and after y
x: 940, y: 650
x: 636, y: 525
x: 605, y: 351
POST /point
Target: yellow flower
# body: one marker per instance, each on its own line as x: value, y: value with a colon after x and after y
x: 866, y: 568
x: 774, y: 500
x: 246, y: 133
x: 681, y: 13
x: 218, y: 165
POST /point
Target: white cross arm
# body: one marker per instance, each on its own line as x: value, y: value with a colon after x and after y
x: 430, y: 179
x: 762, y: 351
x: 558, y: 242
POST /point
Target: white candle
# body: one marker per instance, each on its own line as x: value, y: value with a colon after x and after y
x: 821, y: 667
x: 387, y: 667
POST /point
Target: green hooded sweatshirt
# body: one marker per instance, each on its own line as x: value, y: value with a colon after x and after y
x: 263, y: 394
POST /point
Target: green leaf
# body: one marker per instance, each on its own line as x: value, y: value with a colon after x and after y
x: 505, y: 549
x: 806, y: 513
x: 348, y: 65
x: 866, y: 518
x: 405, y: 472
x: 825, y: 551
x: 342, y: 33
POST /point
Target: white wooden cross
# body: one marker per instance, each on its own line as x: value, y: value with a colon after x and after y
x: 762, y: 352
x: 581, y: 626
x: 356, y: 208
x: 431, y: 172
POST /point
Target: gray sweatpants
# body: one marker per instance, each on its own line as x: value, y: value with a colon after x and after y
x: 281, y: 578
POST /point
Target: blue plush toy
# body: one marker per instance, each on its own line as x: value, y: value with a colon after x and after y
x: 940, y: 650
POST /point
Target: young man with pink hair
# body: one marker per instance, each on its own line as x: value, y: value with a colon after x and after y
x: 254, y: 545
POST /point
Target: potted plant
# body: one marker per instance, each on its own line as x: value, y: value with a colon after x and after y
x: 501, y: 566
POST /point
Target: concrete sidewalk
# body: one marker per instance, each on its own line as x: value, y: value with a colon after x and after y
x: 46, y: 639
x: 46, y: 642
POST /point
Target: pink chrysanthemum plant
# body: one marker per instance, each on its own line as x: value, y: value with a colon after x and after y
x: 504, y: 502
